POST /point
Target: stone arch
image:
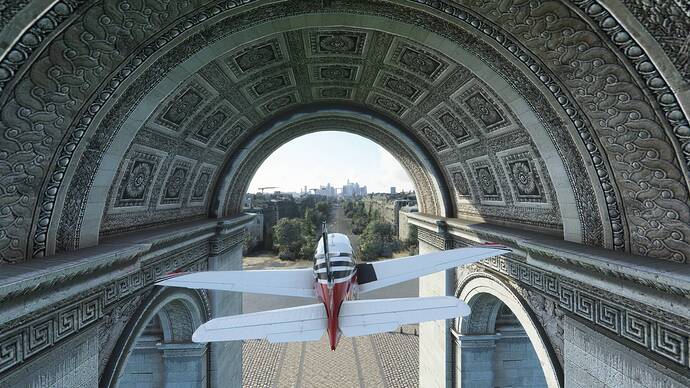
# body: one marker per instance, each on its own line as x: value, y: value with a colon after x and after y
x: 486, y: 294
x: 179, y: 312
x: 607, y: 93
x: 575, y: 218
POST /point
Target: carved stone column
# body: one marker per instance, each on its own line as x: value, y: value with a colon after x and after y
x: 435, y: 342
x: 474, y: 365
x: 226, y: 255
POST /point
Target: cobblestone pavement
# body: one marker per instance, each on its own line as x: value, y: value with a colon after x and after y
x: 381, y: 360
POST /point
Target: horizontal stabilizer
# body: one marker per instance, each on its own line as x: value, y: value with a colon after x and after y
x: 364, y: 317
x: 287, y: 282
x: 388, y: 272
x: 303, y: 323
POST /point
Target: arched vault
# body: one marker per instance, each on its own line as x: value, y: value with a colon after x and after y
x: 552, y: 116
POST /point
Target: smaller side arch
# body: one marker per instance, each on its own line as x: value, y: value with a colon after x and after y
x: 478, y: 286
x: 164, y: 301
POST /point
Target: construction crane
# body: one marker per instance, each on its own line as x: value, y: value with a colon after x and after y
x: 266, y: 188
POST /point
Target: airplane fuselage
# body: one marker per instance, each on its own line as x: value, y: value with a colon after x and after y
x: 344, y: 279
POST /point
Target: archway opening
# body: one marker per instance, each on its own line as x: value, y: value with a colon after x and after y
x: 343, y: 170
x: 305, y: 163
x: 163, y: 354
x: 155, y: 348
x: 492, y: 349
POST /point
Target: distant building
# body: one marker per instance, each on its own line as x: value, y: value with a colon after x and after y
x: 392, y: 189
x: 353, y: 189
x: 326, y: 191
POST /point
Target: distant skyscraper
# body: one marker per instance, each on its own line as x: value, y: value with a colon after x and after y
x: 353, y: 189
x: 392, y: 189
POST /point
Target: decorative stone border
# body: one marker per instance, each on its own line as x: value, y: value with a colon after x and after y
x: 593, y: 9
x: 664, y: 336
x: 28, y: 336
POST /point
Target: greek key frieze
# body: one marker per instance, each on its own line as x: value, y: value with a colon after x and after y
x: 658, y: 332
x: 29, y: 336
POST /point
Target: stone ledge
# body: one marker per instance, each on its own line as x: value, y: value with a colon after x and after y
x: 537, y: 249
x: 113, y: 257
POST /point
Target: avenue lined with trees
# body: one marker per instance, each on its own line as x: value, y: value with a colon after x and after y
x: 295, y: 238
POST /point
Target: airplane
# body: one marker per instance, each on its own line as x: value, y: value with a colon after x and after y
x: 335, y: 280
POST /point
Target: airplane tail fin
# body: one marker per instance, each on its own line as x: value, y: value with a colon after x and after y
x: 364, y: 317
x: 303, y: 323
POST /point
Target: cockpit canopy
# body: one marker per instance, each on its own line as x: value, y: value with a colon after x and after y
x: 338, y: 245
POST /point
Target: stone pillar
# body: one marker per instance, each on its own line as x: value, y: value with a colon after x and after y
x: 474, y: 364
x: 226, y: 357
x: 435, y: 343
x: 184, y: 365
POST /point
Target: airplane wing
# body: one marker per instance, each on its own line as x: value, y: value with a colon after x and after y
x: 372, y: 276
x: 288, y: 282
x: 303, y: 323
x: 364, y: 317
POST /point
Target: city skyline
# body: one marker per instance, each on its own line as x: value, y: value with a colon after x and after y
x: 310, y: 160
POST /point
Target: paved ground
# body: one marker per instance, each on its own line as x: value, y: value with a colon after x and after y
x: 381, y: 360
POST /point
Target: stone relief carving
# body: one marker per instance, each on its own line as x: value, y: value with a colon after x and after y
x: 256, y: 57
x: 138, y: 177
x: 669, y: 24
x: 418, y: 61
x: 175, y: 182
x: 337, y: 42
x: 524, y: 176
x: 201, y: 184
x: 486, y: 181
x: 64, y: 87
x: 334, y: 93
x: 460, y: 184
x: 621, y: 116
x: 178, y: 110
x: 550, y: 317
x: 280, y: 103
x: 660, y: 252
x: 335, y: 73
x: 480, y: 107
x: 452, y: 124
x: 209, y: 127
x: 112, y: 324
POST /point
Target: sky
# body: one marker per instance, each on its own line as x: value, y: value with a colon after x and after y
x: 331, y: 157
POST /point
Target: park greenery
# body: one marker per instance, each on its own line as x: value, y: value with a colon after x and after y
x: 377, y: 236
x: 295, y: 238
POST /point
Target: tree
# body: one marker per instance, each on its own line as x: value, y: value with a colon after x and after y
x: 288, y: 238
x: 323, y: 207
x: 377, y: 240
x: 360, y: 217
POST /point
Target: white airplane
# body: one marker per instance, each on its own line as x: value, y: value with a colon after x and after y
x: 335, y: 281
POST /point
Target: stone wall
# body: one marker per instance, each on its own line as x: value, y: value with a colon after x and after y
x: 516, y: 365
x: 73, y: 363
x: 594, y: 360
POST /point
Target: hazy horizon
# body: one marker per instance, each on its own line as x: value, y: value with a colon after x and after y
x: 330, y: 157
